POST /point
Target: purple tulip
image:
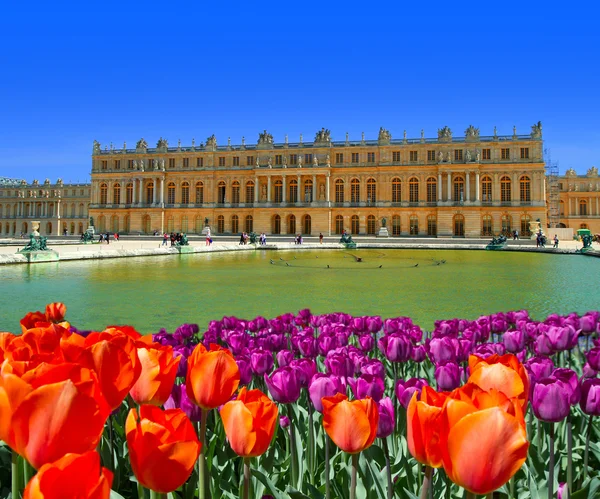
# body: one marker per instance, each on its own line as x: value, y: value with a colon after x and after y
x: 539, y: 367
x: 179, y: 400
x: 561, y: 493
x: 366, y: 342
x: 307, y: 345
x: 374, y: 324
x: 185, y: 332
x: 284, y: 421
x: 442, y: 349
x: 284, y: 385
x: 550, y: 401
x: 571, y: 381
x: 559, y: 338
x: 373, y: 367
x: 405, y: 389
x: 326, y: 343
x: 514, y: 340
x: 396, y: 347
x: 325, y: 385
x: 593, y: 358
x: 590, y: 397
x: 339, y: 364
x: 367, y: 386
x: 237, y: 341
x: 243, y: 363
x: 387, y: 419
x: 542, y: 345
x: 261, y: 361
x: 359, y: 324
x: 284, y: 357
x: 447, y: 376
x: 184, y: 352
x: 418, y: 353
x: 306, y: 369
x: 589, y: 371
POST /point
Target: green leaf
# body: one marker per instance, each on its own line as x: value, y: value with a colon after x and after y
x: 266, y: 481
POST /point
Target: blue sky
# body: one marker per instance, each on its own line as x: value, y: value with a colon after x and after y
x: 81, y: 71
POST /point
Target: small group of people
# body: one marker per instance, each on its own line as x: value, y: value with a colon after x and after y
x: 515, y: 235
x: 105, y: 237
x: 173, y: 237
x: 262, y: 239
x: 540, y: 240
x: 244, y: 237
x: 298, y: 239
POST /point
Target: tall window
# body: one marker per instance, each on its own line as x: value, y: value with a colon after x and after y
x: 249, y: 223
x: 221, y: 192
x: 235, y: 224
x: 171, y: 162
x: 185, y: 195
x: 235, y: 192
x: 431, y: 189
x: 525, y: 189
x: 370, y: 157
x: 458, y: 155
x: 221, y: 224
x: 249, y: 160
x: 186, y: 164
x: 199, y: 193
x: 459, y: 225
x: 414, y: 155
x: 278, y: 194
x: 250, y: 192
x: 291, y: 224
x: 506, y: 225
x: 278, y: 159
x: 339, y: 158
x: 355, y: 157
x: 486, y: 189
x: 505, y: 188
x: 293, y: 197
x: 171, y: 193
x: 276, y: 224
x: 487, y: 153
x: 150, y: 193
x: 430, y: 155
x: 170, y: 224
x: 414, y: 225
x: 505, y: 153
x: 339, y: 224
x: 80, y: 209
x: 355, y: 190
x: 199, y: 162
x: 413, y: 190
x: 459, y: 189
x: 371, y: 190
x: 525, y: 224
x: 371, y: 224
x: 293, y: 159
x: 116, y: 196
x: 524, y: 152
x: 129, y: 190
x: 117, y: 164
x: 583, y: 207
x: 307, y: 159
x: 103, y: 194
x: 396, y: 190
x: 104, y: 164
x: 486, y: 229
x: 396, y: 156
x: 221, y: 160
x: 236, y: 162
x: 396, y: 230
x: 431, y: 225
x: 561, y: 211
x: 339, y: 192
x: 355, y: 224
x: 184, y: 223
x: 308, y: 191
x: 130, y: 164
x: 306, y: 224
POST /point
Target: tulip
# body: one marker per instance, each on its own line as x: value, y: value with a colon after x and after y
x: 514, y: 341
x: 54, y: 314
x: 352, y: 425
x: 73, y: 475
x: 387, y: 418
x: 243, y: 363
x: 542, y: 345
x: 325, y: 385
x: 367, y: 386
x: 441, y: 349
x: 284, y: 385
x: 307, y: 345
x: 305, y: 369
x: 249, y: 422
x: 163, y: 447
x: 396, y: 347
x: 418, y: 354
x: 284, y: 422
x: 550, y: 401
x: 588, y: 371
x: 539, y: 367
x: 366, y: 342
x: 339, y: 364
x: 593, y: 358
x: 374, y: 324
x: 447, y: 376
x: 405, y: 389
x: 373, y: 367
x: 326, y: 343
x: 237, y: 341
x: 213, y: 376
x: 180, y: 400
x: 159, y: 368
x: 284, y: 357
x: 590, y: 397
x: 261, y: 361
x: 560, y: 337
x: 570, y: 379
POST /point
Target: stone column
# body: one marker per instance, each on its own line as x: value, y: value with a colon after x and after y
x: 133, y: 191
x: 449, y: 186
x: 268, y: 188
x: 515, y: 188
x: 284, y: 188
x: 141, y: 201
x: 327, y: 189
x: 155, y: 182
x: 162, y: 192
x: 256, y: 188
x: 299, y: 198
x: 597, y: 206
x: 314, y: 189
x: 477, y: 196
x: 468, y: 188
x: 439, y: 187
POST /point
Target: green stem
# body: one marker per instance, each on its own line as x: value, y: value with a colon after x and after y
x: 539, y: 435
x: 27, y: 471
x: 202, y: 458
x: 294, y: 464
x: 586, y: 453
x: 311, y: 444
x: 111, y: 462
x: 551, y: 463
x: 16, y: 475
x: 140, y: 490
x: 157, y: 495
x: 569, y: 454
x: 327, y: 484
x: 511, y: 488
x: 246, y: 478
x: 426, y: 482
x: 388, y: 469
x: 448, y: 486
x: 353, y: 476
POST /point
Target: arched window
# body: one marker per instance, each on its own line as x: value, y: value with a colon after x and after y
x: 525, y: 189
x: 72, y: 231
x: 127, y: 224
x: 48, y: 228
x: 103, y: 193
x: 150, y: 192
x: 396, y: 190
x: 431, y: 189
x: 371, y: 190
x: 583, y: 207
x: 235, y: 192
x: 486, y: 189
x: 184, y: 223
x: 459, y: 189
x: 198, y: 224
x: 221, y: 192
x: 525, y: 224
x: 276, y: 224
x: 414, y: 225
x: 459, y: 225
x: 278, y: 194
x: 506, y: 225
x: 355, y: 224
x: 306, y: 225
x: 146, y: 224
x: 185, y: 195
x: 73, y: 212
x: 80, y: 228
x: 396, y: 228
x: 371, y: 224
x: 355, y: 192
x: 432, y: 225
x: 249, y: 223
x: 81, y: 208
x: 220, y: 224
x: 170, y: 224
x: 293, y: 195
x: 250, y: 192
x: 235, y: 224
x: 413, y: 190
x: 339, y: 192
x: 486, y: 226
x: 116, y: 197
x: 292, y: 224
x: 505, y: 187
x: 199, y: 193
x: 339, y: 224
x: 171, y: 194
x: 114, y: 224
x: 129, y: 193
x: 308, y: 191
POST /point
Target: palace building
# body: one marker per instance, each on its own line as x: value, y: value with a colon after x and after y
x: 579, y: 206
x: 468, y: 186
x: 58, y: 207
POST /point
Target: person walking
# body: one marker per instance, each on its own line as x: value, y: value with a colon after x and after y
x: 208, y: 238
x: 320, y: 238
x: 165, y: 239
x: 555, y: 241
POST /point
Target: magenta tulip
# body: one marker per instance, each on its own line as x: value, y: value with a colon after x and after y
x: 396, y: 347
x: 339, y: 364
x: 367, y: 386
x: 550, y: 401
x: 243, y: 363
x: 443, y: 349
x: 373, y: 367
x: 305, y: 369
x: 570, y: 379
x: 387, y: 418
x: 284, y: 357
x: 284, y: 385
x: 539, y: 367
x: 405, y: 389
x: 593, y: 358
x: 325, y: 385
x: 590, y: 396
x: 447, y: 376
x: 179, y: 400
x: 418, y: 353
x: 366, y: 342
x: 514, y: 340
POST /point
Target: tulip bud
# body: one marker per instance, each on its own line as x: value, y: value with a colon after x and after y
x: 324, y: 385
x: 367, y: 386
x: 405, y: 389
x: 386, y: 418
x: 550, y: 400
x: 447, y: 376
x: 590, y: 397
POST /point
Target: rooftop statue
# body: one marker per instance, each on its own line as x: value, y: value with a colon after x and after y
x: 265, y: 138
x: 472, y: 132
x: 162, y: 143
x: 536, y: 130
x: 141, y: 144
x: 384, y: 135
x: 96, y: 148
x: 444, y: 134
x: 323, y: 136
x: 570, y: 173
x: 592, y: 172
x: 211, y: 141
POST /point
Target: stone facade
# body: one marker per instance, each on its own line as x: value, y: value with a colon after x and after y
x: 59, y: 207
x: 471, y: 186
x: 580, y: 200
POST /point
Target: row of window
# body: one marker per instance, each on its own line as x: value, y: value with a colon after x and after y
x: 339, y: 158
x: 67, y: 210
x: 340, y: 191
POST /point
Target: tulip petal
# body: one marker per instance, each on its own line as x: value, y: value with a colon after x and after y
x: 238, y: 423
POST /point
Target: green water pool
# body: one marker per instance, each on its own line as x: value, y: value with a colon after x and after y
x: 150, y: 293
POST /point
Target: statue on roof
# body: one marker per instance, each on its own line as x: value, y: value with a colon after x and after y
x: 162, y: 143
x: 141, y: 144
x: 265, y: 138
x: 536, y: 130
x: 211, y: 141
x: 570, y: 173
x: 472, y: 133
x: 444, y: 134
x: 96, y: 147
x: 323, y: 136
x: 592, y: 172
x: 384, y: 135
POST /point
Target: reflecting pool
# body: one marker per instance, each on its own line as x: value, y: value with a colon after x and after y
x: 155, y: 292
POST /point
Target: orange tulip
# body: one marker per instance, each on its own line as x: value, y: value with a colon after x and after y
x: 37, y: 345
x: 212, y: 376
x: 503, y: 373
x: 249, y: 422
x: 423, y: 430
x: 352, y: 425
x: 73, y: 475
x: 159, y: 369
x: 483, y: 439
x: 55, y: 313
x: 163, y: 447
x: 5, y: 339
x: 51, y: 410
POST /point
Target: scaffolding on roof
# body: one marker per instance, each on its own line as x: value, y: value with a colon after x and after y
x: 553, y: 190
